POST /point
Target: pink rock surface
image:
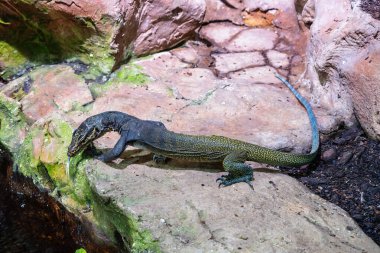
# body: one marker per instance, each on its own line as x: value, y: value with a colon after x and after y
x: 238, y: 39
x: 54, y: 88
x: 342, y: 57
x: 277, y: 59
x: 220, y: 33
x: 165, y: 23
x: 251, y: 40
x: 364, y: 77
x: 194, y: 52
x: 218, y: 10
x: 264, y: 74
x: 225, y: 63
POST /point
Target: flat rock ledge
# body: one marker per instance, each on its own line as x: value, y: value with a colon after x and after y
x: 186, y: 212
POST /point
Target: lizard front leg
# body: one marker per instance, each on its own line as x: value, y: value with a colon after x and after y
x: 237, y: 170
x: 116, y: 151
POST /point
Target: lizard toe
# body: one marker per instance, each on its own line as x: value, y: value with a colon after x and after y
x: 227, y: 180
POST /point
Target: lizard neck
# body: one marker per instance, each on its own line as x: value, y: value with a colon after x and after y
x: 114, y: 121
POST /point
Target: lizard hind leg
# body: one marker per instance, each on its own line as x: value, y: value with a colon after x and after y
x: 237, y: 170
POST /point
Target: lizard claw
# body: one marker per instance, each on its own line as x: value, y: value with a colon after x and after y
x: 227, y: 180
x: 221, y: 178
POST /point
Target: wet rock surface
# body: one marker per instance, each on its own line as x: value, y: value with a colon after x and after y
x: 349, y: 176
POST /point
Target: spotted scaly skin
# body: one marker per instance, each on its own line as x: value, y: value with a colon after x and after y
x: 154, y: 136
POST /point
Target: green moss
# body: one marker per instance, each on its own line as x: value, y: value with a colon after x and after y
x: 130, y: 74
x: 81, y: 250
x: 97, y: 54
x: 81, y: 108
x: 111, y: 219
x: 170, y: 92
x: 19, y: 94
x: 11, y: 58
x: 2, y: 22
x: 12, y: 123
x: 82, y: 192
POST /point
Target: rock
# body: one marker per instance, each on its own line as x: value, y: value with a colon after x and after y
x: 308, y: 12
x: 108, y: 31
x: 194, y: 52
x: 372, y: 7
x: 13, y: 127
x: 218, y: 106
x: 225, y: 63
x: 219, y: 34
x: 264, y: 74
x: 259, y: 18
x: 252, y: 40
x: 162, y: 24
x: 363, y: 76
x: 214, y: 8
x: 54, y: 87
x: 329, y: 155
x: 278, y: 59
x: 342, y: 58
x: 62, y: 29
x: 11, y: 60
x: 51, y: 140
x: 186, y: 211
x: 266, y: 5
x: 224, y: 87
x: 345, y: 157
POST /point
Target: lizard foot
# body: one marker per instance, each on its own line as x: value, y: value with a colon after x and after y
x: 100, y: 158
x: 227, y: 180
x: 237, y: 170
x: 159, y: 159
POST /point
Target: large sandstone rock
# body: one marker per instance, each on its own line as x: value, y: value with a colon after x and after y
x: 186, y: 211
x: 343, y: 60
x: 54, y: 88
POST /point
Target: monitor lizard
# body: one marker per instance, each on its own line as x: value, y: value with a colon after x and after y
x: 154, y: 136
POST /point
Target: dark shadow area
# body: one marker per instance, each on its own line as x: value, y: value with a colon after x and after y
x: 32, y: 221
x: 139, y: 156
x: 372, y: 7
x: 42, y: 36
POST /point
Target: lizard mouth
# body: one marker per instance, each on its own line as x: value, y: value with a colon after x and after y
x: 73, y: 150
x: 71, y: 153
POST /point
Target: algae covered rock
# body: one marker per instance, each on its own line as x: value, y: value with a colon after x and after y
x: 12, y: 123
x: 11, y: 60
x: 39, y: 152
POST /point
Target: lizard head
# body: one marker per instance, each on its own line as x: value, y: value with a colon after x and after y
x: 88, y: 131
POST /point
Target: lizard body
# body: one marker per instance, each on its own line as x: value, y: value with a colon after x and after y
x: 154, y: 136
